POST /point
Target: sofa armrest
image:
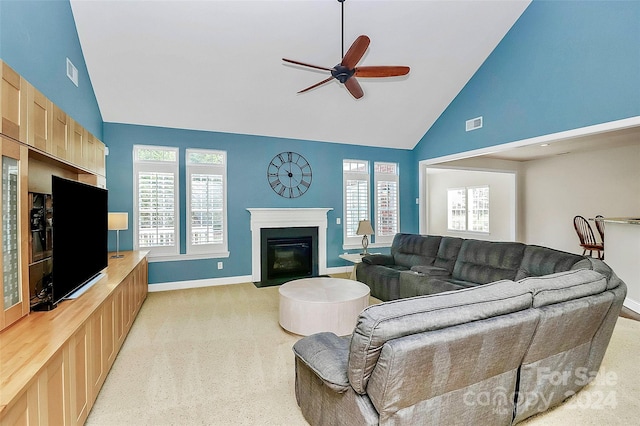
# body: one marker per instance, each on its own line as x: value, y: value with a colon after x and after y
x: 327, y: 355
x: 379, y: 259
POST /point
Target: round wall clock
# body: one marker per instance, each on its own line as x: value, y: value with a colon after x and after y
x: 289, y: 174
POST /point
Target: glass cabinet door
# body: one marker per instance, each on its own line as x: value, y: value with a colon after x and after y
x: 13, y: 192
x: 10, y: 254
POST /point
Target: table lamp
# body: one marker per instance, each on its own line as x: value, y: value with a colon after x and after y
x: 118, y: 222
x: 364, y: 229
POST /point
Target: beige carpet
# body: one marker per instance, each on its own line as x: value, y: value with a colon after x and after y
x: 217, y: 356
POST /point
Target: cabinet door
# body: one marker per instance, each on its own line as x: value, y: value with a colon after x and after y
x: 100, y: 161
x: 14, y: 233
x: 24, y: 411
x: 77, y: 140
x: 13, y: 105
x: 53, y: 390
x: 60, y: 133
x: 109, y: 339
x: 79, y: 390
x: 40, y: 117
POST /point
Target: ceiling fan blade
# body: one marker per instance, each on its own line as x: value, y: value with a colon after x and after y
x: 306, y: 65
x: 382, y: 71
x: 355, y: 52
x: 316, y: 85
x: 354, y: 88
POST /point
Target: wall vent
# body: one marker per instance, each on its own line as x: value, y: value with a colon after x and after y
x: 474, y: 123
x: 72, y: 72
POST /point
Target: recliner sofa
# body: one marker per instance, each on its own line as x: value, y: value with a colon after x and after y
x: 496, y: 326
x: 428, y: 264
x: 486, y: 355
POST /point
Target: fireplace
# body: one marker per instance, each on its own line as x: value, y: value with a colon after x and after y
x: 294, y: 218
x: 288, y: 253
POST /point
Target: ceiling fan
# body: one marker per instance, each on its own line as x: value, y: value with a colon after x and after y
x: 346, y: 71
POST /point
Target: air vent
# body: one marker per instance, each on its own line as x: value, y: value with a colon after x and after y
x: 72, y: 72
x: 474, y: 123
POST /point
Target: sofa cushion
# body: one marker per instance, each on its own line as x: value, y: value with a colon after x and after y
x: 411, y: 249
x: 431, y: 270
x: 564, y: 286
x: 448, y: 252
x: 379, y: 323
x: 483, y: 262
x: 538, y: 261
x: 412, y: 284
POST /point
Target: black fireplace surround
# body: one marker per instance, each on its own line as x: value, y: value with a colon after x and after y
x: 287, y: 254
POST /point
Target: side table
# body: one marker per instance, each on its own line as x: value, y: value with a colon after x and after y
x: 354, y: 258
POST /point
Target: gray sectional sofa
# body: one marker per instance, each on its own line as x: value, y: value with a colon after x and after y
x: 428, y: 264
x: 488, y: 354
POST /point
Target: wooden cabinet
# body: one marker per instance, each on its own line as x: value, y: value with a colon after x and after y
x: 40, y: 119
x: 79, y: 362
x: 13, y: 108
x: 26, y: 115
x: 54, y: 363
x: 77, y: 142
x: 53, y: 390
x: 14, y: 233
x: 100, y: 162
x: 60, y: 133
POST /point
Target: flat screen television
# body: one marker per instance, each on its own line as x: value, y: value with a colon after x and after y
x: 79, y: 235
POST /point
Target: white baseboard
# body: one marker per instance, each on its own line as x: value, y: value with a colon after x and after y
x: 209, y: 282
x: 632, y: 304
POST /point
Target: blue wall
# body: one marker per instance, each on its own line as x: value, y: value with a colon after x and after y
x: 563, y: 65
x: 36, y: 38
x: 248, y: 157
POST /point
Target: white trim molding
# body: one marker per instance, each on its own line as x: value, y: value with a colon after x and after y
x: 287, y: 218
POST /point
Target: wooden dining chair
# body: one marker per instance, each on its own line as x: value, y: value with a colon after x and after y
x: 587, y: 237
x: 600, y: 227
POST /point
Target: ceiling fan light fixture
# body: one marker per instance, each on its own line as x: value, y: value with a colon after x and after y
x: 346, y: 71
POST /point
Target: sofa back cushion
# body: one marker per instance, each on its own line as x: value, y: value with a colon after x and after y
x: 572, y: 306
x: 448, y: 253
x: 538, y: 261
x: 410, y: 249
x: 441, y: 376
x: 380, y: 323
x: 483, y: 262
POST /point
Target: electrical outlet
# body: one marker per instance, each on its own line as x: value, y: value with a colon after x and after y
x: 337, y: 221
x: 219, y: 265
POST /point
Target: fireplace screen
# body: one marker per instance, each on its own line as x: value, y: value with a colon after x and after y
x: 287, y: 254
x: 289, y: 257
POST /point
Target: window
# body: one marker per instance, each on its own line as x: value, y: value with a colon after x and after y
x: 207, y: 201
x: 468, y: 209
x: 155, y: 171
x: 387, y: 211
x: 355, y: 174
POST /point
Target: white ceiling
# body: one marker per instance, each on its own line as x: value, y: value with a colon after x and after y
x: 217, y: 65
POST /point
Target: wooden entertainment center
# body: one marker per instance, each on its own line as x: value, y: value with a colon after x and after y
x: 53, y: 364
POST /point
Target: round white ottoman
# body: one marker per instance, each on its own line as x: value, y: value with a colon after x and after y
x: 312, y: 305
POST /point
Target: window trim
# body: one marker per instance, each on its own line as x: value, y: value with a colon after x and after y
x: 160, y: 167
x: 385, y: 177
x: 211, y: 250
x: 467, y: 209
x: 355, y: 241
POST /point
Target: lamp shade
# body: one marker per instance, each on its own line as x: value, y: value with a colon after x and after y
x: 118, y: 221
x: 364, y: 228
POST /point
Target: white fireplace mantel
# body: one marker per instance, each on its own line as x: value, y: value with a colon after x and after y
x: 287, y: 218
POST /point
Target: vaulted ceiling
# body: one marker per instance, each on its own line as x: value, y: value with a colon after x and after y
x: 217, y: 65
